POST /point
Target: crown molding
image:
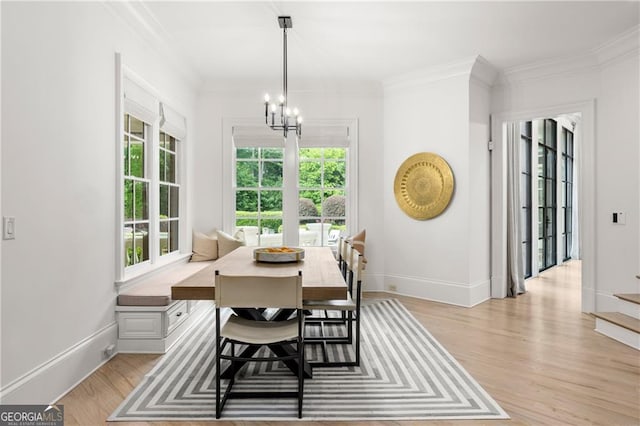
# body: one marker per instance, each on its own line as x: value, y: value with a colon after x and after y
x: 483, y: 72
x: 621, y: 47
x: 137, y: 16
x: 429, y: 75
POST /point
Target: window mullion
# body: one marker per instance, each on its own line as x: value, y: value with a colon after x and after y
x: 154, y: 190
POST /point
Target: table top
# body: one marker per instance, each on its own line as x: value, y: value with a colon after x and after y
x: 321, y: 278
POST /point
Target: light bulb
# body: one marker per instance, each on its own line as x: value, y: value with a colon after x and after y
x: 281, y: 99
x: 288, y: 112
x: 273, y: 107
x: 296, y: 112
x: 266, y: 98
x: 299, y: 119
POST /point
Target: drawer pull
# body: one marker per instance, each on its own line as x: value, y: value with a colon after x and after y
x: 178, y: 314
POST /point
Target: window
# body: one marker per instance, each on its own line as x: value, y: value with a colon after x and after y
x: 547, y: 204
x: 149, y: 226
x: 567, y: 189
x: 525, y: 193
x: 136, y: 191
x: 322, y: 192
x: 293, y: 193
x: 169, y: 194
x: 259, y: 194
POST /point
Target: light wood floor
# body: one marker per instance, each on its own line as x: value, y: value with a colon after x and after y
x: 537, y: 355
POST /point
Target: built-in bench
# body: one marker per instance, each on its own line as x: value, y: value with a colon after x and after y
x: 149, y: 321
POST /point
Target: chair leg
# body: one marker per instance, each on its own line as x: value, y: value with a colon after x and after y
x: 218, y: 363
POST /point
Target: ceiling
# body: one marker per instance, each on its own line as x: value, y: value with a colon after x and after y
x: 375, y: 41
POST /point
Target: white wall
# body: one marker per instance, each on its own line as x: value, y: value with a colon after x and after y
x: 612, y: 82
x: 58, y: 177
x: 438, y: 259
x: 339, y: 101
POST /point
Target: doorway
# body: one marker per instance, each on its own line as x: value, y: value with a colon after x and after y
x: 545, y: 241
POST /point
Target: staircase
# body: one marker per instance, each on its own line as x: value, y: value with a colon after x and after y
x: 624, y: 325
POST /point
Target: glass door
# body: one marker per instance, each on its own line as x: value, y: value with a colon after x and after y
x: 547, y: 197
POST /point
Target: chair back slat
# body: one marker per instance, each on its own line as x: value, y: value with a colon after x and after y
x: 258, y: 291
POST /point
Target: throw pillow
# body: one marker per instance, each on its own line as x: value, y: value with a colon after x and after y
x: 227, y: 244
x: 204, y: 247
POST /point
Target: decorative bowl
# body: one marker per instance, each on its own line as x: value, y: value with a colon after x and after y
x: 278, y: 254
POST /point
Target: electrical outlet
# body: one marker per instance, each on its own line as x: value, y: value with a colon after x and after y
x: 393, y: 287
x: 109, y: 350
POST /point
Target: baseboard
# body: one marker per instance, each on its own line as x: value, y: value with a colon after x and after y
x: 453, y: 293
x: 51, y: 380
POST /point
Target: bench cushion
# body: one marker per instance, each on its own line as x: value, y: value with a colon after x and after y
x: 156, y: 290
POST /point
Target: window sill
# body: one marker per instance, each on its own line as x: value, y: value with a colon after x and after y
x: 148, y: 270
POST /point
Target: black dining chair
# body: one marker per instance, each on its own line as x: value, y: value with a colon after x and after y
x: 260, y: 292
x: 322, y: 310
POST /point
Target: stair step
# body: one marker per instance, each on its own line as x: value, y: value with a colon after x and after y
x: 629, y: 297
x: 621, y: 320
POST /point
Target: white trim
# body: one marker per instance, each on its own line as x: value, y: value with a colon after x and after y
x: 51, y: 380
x: 426, y: 76
x: 585, y: 162
x: 451, y: 292
x: 145, y: 100
x: 228, y: 155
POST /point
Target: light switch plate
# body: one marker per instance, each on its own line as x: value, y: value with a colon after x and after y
x: 618, y: 218
x: 8, y: 228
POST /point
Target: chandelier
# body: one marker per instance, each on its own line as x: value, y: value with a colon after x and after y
x: 288, y: 119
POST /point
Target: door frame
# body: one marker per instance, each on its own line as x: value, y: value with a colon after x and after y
x: 586, y: 174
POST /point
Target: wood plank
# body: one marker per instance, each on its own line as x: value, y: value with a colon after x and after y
x: 537, y: 355
x: 629, y: 297
x: 321, y: 278
x: 621, y: 320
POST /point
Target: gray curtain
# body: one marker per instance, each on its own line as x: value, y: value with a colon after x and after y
x: 515, y: 270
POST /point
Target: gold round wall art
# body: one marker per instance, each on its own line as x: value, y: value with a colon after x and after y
x: 424, y: 185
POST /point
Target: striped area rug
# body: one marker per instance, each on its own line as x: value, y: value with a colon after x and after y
x: 405, y: 374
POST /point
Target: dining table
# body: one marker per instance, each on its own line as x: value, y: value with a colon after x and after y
x: 321, y: 280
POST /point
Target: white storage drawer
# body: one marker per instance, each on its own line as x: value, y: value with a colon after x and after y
x: 175, y: 316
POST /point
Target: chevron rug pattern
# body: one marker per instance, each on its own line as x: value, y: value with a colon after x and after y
x: 405, y: 374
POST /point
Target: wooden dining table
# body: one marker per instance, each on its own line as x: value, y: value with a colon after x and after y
x: 321, y: 280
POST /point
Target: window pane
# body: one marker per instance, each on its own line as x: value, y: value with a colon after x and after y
x: 126, y: 123
x: 271, y: 201
x: 174, y: 235
x: 174, y: 201
x: 141, y: 195
x: 136, y: 158
x: 270, y: 234
x: 272, y: 153
x: 540, y: 221
x: 541, y: 191
x: 128, y: 245
x: 246, y: 174
x: 551, y: 192
x: 333, y: 204
x: 314, y: 203
x: 247, y: 201
x: 551, y: 163
x: 164, y: 201
x: 128, y: 200
x: 162, y: 140
x: 540, y: 160
x: 141, y: 242
x: 550, y: 135
x: 310, y: 174
x: 335, y: 153
x: 163, y: 167
x: 272, y: 174
x: 164, y: 237
x: 550, y: 222
x: 171, y: 143
x: 136, y: 127
x: 310, y: 153
x: 247, y: 153
x: 335, y: 174
x: 170, y: 167
x: 307, y: 207
x: 125, y: 147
